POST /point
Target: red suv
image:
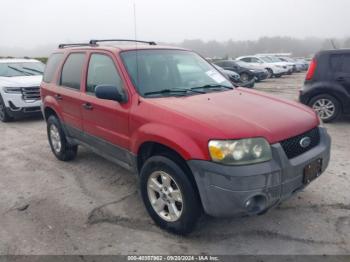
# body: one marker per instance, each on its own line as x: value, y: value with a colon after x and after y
x: 196, y: 142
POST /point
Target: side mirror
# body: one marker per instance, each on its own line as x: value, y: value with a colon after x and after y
x: 109, y: 92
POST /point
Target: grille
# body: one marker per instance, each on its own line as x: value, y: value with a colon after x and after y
x: 292, y: 146
x: 31, y: 93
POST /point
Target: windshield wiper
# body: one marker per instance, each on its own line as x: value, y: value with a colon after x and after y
x: 211, y: 87
x: 168, y: 91
x: 34, y: 70
x: 21, y: 71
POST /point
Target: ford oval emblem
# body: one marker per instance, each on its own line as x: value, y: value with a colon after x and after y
x: 305, y: 142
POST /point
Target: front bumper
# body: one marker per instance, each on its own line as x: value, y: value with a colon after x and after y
x: 224, y: 190
x: 16, y: 106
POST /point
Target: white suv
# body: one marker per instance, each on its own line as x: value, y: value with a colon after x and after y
x: 273, y: 69
x: 19, y: 88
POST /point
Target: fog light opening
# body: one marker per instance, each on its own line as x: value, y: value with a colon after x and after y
x: 256, y: 204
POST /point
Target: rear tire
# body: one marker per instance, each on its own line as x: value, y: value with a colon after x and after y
x: 60, y: 147
x: 177, y: 212
x: 326, y: 106
x: 4, y: 116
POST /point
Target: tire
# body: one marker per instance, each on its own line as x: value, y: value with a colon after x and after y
x: 58, y: 141
x: 244, y: 77
x: 326, y: 106
x: 269, y: 70
x: 155, y: 189
x: 4, y: 116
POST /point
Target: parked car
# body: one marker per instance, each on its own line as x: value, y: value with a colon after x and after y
x: 273, y: 59
x: 297, y: 66
x: 19, y: 88
x: 304, y: 62
x: 246, y: 72
x: 196, y: 142
x: 236, y: 78
x: 327, y: 84
x: 273, y: 69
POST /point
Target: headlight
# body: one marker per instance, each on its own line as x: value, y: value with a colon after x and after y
x: 240, y: 152
x: 251, y: 70
x: 13, y: 90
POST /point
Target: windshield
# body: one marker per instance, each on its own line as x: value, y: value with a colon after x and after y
x: 21, y: 69
x: 155, y: 71
x: 266, y: 59
x: 244, y: 64
x: 275, y: 59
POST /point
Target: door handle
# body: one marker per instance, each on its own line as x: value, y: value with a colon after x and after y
x: 58, y: 97
x: 88, y: 106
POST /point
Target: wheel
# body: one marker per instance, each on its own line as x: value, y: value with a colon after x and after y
x: 4, y: 116
x: 244, y: 77
x: 269, y: 70
x: 58, y: 141
x: 278, y: 76
x: 169, y: 195
x: 327, y: 107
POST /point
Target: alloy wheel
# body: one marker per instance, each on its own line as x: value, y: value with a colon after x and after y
x: 165, y: 196
x: 55, y: 138
x: 324, y: 107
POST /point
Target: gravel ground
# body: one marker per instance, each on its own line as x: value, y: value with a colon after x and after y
x: 91, y: 206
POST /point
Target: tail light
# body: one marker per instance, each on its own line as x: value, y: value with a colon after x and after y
x: 312, y: 69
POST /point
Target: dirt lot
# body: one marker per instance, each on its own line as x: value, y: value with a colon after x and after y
x: 91, y: 206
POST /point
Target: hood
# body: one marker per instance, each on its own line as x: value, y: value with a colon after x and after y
x: 242, y: 113
x: 20, y: 81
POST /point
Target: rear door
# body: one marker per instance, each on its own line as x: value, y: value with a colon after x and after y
x: 68, y: 94
x: 106, y: 122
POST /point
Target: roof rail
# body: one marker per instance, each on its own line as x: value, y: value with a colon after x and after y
x: 95, y: 41
x: 76, y: 44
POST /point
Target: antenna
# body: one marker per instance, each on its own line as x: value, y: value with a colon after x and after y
x: 136, y: 52
x: 333, y: 44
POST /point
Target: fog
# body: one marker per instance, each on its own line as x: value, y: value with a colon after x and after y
x: 33, y: 27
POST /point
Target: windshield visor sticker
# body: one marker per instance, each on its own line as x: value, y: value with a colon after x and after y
x: 218, y: 78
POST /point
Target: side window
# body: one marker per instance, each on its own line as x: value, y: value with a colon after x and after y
x: 247, y: 59
x: 72, y: 70
x: 346, y: 64
x: 254, y: 60
x: 102, y: 71
x: 51, y: 67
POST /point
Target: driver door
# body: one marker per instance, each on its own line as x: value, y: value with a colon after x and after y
x: 105, y: 122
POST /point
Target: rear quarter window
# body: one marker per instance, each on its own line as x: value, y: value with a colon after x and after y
x: 336, y: 62
x: 51, y: 67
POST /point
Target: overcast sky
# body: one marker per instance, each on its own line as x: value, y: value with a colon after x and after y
x: 32, y: 23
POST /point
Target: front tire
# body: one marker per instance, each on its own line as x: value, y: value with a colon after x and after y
x: 326, y: 106
x: 270, y: 73
x: 4, y: 116
x: 169, y: 195
x: 244, y: 77
x: 60, y: 147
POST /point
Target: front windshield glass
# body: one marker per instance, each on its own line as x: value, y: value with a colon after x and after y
x: 274, y: 59
x: 153, y: 71
x: 21, y: 69
x: 266, y: 59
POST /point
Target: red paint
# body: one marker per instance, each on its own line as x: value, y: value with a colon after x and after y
x: 185, y: 124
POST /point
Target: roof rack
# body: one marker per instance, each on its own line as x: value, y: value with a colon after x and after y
x: 69, y: 45
x: 95, y: 41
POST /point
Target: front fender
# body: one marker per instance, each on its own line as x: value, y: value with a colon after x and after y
x: 171, y: 137
x: 50, y: 102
